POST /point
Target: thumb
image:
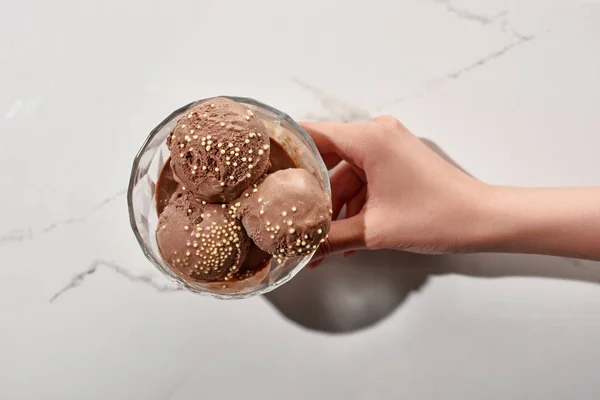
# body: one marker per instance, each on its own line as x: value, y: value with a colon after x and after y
x: 345, y: 235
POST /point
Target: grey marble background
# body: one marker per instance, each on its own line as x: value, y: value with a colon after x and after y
x: 509, y: 90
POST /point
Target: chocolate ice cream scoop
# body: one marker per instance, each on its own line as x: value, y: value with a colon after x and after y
x: 288, y: 214
x: 219, y: 149
x: 201, y: 241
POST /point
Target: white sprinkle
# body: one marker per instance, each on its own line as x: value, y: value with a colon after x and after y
x: 222, y: 124
x: 320, y: 231
x: 292, y: 230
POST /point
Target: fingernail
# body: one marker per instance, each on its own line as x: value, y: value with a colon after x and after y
x: 350, y: 253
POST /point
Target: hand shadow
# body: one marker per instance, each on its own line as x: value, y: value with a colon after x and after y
x: 346, y: 295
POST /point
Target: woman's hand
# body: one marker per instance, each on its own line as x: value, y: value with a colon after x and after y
x: 399, y: 194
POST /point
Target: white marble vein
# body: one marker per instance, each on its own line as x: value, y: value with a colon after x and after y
x: 78, y: 279
x: 333, y: 109
x: 456, y: 74
x: 24, y: 234
x: 468, y: 15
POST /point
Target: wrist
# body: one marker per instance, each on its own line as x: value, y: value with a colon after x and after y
x: 552, y: 221
x: 498, y: 221
x: 481, y: 231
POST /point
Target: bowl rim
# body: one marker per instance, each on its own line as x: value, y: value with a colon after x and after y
x: 133, y: 181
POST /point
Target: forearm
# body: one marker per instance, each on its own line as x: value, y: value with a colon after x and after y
x: 554, y: 221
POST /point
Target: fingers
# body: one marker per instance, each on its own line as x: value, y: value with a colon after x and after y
x: 356, y: 203
x: 345, y: 184
x: 346, y: 140
x: 337, y: 142
x: 331, y: 160
x: 353, y: 207
x: 345, y: 235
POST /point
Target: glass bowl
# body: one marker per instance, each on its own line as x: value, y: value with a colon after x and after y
x: 141, y: 198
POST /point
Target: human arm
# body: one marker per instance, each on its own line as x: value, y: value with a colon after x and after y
x: 400, y: 194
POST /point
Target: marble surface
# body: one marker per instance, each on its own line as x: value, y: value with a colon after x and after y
x: 508, y: 89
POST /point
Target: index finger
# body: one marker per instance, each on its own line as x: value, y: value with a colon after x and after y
x: 347, y: 141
